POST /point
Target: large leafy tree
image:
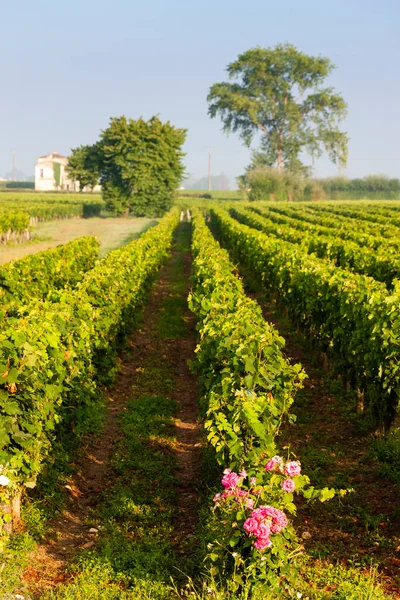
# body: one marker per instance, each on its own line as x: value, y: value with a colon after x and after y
x: 141, y: 165
x: 138, y: 163
x: 279, y: 92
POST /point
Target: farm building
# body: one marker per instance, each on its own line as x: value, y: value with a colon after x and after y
x: 51, y: 175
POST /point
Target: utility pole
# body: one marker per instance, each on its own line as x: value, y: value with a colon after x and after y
x: 209, y: 169
x: 14, y: 177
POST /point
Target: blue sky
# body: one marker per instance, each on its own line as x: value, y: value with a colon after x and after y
x: 66, y: 67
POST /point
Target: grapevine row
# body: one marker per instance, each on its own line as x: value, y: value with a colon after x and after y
x: 300, y: 221
x: 347, y: 218
x: 351, y: 316
x: 344, y: 253
x: 248, y: 384
x: 52, y: 358
x: 372, y: 214
x: 14, y: 226
x: 36, y: 275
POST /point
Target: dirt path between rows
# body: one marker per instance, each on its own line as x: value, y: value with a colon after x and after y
x: 71, y: 532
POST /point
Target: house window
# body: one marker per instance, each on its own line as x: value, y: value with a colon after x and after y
x: 41, y: 173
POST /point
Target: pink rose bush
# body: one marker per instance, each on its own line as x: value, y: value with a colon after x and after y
x: 244, y: 496
x: 253, y: 537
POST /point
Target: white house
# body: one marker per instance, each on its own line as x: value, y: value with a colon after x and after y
x: 51, y: 175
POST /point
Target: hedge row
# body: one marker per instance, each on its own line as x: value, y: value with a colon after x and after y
x: 248, y: 385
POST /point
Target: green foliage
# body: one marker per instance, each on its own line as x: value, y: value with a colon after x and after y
x: 37, y: 275
x: 215, y: 194
x: 28, y: 199
x: 248, y: 385
x: 28, y: 208
x: 14, y: 185
x: 351, y: 316
x: 83, y: 166
x: 279, y: 94
x: 138, y: 163
x: 53, y: 355
x: 233, y: 554
x: 314, y: 191
x: 57, y: 174
x: 266, y: 183
x: 372, y: 186
x: 379, y: 264
x: 13, y: 222
x: 327, y: 219
x: 141, y: 165
x: 387, y: 451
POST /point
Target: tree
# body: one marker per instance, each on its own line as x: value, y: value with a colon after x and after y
x: 138, y: 164
x: 83, y: 166
x: 279, y: 93
x: 266, y: 183
x: 141, y: 165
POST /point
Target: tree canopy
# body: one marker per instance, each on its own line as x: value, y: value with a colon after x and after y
x: 83, y: 166
x: 279, y: 93
x: 138, y: 164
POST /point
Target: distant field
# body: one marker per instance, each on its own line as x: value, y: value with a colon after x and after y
x: 11, y: 197
x: 113, y: 232
x: 216, y: 194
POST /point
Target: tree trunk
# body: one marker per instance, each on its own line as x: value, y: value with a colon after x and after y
x: 16, y: 510
x: 280, y: 153
x: 279, y: 165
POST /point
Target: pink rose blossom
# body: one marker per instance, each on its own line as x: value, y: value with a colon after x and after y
x: 262, y: 522
x: 263, y: 530
x: 249, y: 504
x: 279, y: 520
x: 253, y: 481
x: 288, y: 485
x: 273, y: 462
x: 293, y: 468
x: 217, y: 497
x: 230, y: 479
x: 243, y: 474
x: 251, y: 525
x: 258, y: 514
x: 262, y: 543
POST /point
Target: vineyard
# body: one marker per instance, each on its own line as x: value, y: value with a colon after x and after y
x: 209, y: 411
x: 20, y: 211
